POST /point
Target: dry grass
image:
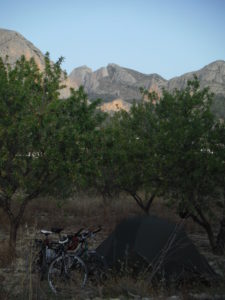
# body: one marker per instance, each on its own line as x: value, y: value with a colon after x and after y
x: 128, y: 287
x: 6, y: 254
x: 81, y: 210
x: 4, y: 221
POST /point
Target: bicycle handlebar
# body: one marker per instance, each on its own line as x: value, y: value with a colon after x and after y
x: 79, y: 231
x: 88, y: 233
x: 82, y: 236
x: 97, y: 230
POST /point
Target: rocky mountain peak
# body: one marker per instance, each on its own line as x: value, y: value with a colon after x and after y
x: 212, y: 75
x: 13, y: 45
x: 119, y: 74
x: 102, y: 72
x: 113, y: 66
x: 114, y: 82
x: 83, y: 68
x: 216, y: 64
x: 79, y: 74
x: 216, y: 67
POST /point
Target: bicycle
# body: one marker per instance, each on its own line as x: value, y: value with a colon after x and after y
x: 96, y: 264
x: 47, y: 251
x: 37, y: 258
x: 67, y: 271
x: 76, y: 262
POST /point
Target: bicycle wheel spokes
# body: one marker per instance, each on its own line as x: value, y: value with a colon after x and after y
x: 56, y: 275
x: 77, y: 271
x: 97, y: 267
x: 67, y: 275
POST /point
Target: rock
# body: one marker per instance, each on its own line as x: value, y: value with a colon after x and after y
x: 115, y: 105
x: 113, y: 82
x: 13, y: 45
x: 212, y: 75
x: 120, y: 75
x: 78, y: 75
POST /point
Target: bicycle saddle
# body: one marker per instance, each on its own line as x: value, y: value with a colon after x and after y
x: 46, y: 232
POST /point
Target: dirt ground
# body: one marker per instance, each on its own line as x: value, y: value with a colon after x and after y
x: 16, y: 281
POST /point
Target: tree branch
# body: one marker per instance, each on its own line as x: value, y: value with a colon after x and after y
x: 136, y: 198
x: 5, y: 204
x: 29, y: 197
x: 149, y: 203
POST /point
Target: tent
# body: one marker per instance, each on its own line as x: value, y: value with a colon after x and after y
x: 162, y: 245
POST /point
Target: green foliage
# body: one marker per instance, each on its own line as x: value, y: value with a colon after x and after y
x: 126, y: 159
x: 189, y: 145
x: 45, y: 142
x: 185, y: 125
x: 171, y: 147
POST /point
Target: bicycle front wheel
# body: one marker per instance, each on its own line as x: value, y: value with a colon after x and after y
x: 67, y: 275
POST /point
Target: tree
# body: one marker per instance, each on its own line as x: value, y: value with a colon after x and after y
x: 217, y: 146
x: 126, y: 160
x: 44, y: 141
x: 189, y: 162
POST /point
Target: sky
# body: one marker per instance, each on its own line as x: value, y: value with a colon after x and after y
x: 167, y: 37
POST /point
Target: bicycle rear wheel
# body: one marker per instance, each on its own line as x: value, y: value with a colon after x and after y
x: 67, y: 275
x: 96, y: 265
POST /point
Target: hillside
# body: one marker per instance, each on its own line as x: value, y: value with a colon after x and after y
x: 114, y: 82
x: 13, y: 45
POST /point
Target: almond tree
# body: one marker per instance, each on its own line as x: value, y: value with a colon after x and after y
x: 126, y: 156
x: 217, y: 146
x: 190, y: 155
x: 44, y: 141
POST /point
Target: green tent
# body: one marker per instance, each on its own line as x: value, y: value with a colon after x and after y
x: 162, y: 245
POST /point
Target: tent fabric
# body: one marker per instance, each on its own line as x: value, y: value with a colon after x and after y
x: 158, y: 242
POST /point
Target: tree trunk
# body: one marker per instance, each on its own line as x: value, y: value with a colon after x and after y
x: 13, y: 235
x: 211, y: 237
x: 201, y: 220
x: 149, y: 203
x: 220, y: 241
x: 141, y: 203
x: 15, y: 220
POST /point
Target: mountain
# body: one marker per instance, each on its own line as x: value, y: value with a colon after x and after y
x: 212, y: 75
x: 14, y: 45
x: 115, y: 105
x: 114, y: 82
x: 115, y: 85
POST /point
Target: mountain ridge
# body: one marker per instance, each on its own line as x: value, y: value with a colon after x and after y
x: 113, y: 82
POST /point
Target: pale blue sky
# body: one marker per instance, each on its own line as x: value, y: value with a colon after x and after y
x: 168, y: 37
